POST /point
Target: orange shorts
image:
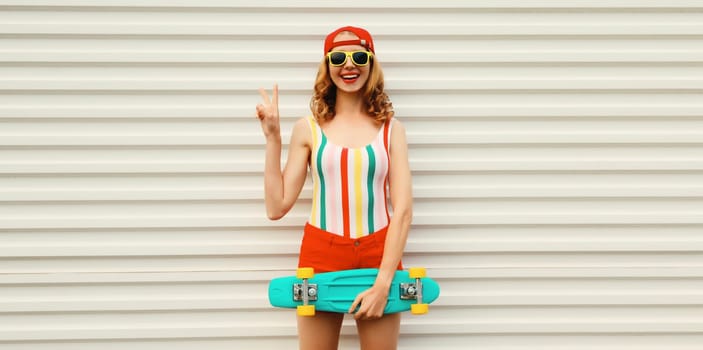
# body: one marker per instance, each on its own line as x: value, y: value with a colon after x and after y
x: 325, y: 251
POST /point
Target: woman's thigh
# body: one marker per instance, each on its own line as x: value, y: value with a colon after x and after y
x: 379, y: 334
x: 320, y: 331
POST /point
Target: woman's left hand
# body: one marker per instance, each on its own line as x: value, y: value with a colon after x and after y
x: 371, y: 303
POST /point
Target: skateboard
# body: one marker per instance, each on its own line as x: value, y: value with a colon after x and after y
x: 336, y: 291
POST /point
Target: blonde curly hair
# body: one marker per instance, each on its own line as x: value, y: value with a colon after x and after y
x: 324, y: 97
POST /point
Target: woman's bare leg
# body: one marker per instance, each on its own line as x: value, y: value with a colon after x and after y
x: 380, y: 334
x: 320, y: 331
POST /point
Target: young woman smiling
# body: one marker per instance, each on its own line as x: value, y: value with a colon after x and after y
x: 358, y: 156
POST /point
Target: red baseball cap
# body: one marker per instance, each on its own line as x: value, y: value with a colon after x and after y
x: 364, y: 40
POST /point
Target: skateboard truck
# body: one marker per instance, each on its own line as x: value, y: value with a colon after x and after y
x: 413, y: 291
x: 300, y: 288
x: 409, y: 291
x: 305, y: 291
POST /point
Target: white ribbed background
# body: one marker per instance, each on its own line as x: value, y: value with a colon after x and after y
x: 556, y: 149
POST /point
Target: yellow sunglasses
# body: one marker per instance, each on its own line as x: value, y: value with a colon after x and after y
x: 359, y: 58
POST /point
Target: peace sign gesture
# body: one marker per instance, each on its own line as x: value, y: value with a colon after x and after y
x: 267, y: 112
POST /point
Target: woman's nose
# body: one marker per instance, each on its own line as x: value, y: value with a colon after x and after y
x: 349, y: 63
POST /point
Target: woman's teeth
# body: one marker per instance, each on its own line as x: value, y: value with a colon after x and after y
x: 350, y: 78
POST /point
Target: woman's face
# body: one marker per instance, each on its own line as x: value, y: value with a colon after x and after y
x: 349, y: 77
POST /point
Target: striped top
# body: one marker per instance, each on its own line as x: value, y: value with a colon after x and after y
x: 349, y: 184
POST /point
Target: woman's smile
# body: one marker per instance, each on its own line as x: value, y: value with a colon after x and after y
x: 350, y: 78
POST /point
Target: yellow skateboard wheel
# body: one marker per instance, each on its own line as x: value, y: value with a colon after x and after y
x: 417, y: 272
x: 307, y: 310
x: 419, y: 309
x: 305, y: 272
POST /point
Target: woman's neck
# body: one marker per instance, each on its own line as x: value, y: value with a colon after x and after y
x: 349, y: 104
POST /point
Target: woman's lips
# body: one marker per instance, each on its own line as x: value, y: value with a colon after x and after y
x: 350, y: 78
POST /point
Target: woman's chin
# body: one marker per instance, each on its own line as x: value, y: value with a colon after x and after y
x: 349, y: 88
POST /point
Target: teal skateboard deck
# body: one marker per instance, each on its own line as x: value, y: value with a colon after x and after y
x: 336, y: 291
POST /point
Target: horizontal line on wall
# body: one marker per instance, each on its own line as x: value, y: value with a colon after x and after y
x: 263, y: 276
x: 199, y: 303
x: 241, y: 329
x: 427, y: 246
x: 162, y: 112
x: 303, y: 86
x: 317, y: 30
x: 312, y: 58
x: 599, y: 138
x: 109, y: 193
x: 438, y: 219
x: 137, y: 5
x: 453, y: 165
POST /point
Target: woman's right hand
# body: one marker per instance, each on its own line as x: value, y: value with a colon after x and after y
x: 267, y: 112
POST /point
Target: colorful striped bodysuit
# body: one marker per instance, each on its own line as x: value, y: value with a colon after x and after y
x: 350, y: 184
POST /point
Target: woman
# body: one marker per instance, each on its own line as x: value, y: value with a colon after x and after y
x: 357, y: 154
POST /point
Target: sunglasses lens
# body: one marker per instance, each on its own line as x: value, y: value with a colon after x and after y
x: 337, y: 58
x: 360, y: 58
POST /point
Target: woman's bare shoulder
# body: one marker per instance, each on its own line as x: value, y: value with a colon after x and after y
x: 301, y: 131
